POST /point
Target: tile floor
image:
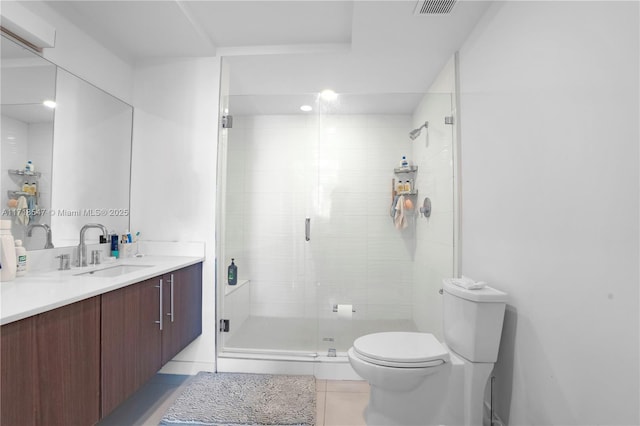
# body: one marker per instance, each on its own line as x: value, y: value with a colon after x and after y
x: 339, y: 403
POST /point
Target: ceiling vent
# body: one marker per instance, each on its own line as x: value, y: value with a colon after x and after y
x: 434, y: 7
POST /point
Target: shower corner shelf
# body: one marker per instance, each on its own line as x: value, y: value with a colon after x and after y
x: 228, y: 289
x: 410, y: 169
x: 24, y: 173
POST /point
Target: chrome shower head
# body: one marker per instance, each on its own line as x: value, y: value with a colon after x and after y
x: 416, y: 132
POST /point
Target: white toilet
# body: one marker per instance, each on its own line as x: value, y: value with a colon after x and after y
x: 417, y: 380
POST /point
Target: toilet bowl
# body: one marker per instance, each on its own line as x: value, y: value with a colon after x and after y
x: 417, y: 380
x: 411, y: 378
x: 397, y: 361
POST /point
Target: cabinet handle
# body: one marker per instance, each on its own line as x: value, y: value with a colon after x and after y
x: 171, y: 313
x: 160, y: 318
x: 307, y: 229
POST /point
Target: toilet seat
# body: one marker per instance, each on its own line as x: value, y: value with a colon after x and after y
x: 401, y: 350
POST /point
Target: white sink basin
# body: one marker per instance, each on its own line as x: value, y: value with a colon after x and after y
x: 114, y: 271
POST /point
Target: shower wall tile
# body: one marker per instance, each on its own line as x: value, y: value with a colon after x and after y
x: 378, y: 207
x: 386, y: 273
x: 276, y: 248
x: 394, y: 121
x: 270, y: 269
x: 390, y: 248
x: 352, y: 273
x: 341, y: 204
x: 393, y: 293
x: 345, y: 226
x: 280, y: 310
x: 374, y: 311
x: 272, y: 203
x: 277, y: 292
x: 234, y: 230
x: 271, y: 225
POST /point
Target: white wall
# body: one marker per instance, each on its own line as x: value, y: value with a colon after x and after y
x: 81, y: 55
x: 174, y: 167
x: 282, y: 169
x: 549, y: 116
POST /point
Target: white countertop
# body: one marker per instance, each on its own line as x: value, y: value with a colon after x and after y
x: 39, y: 292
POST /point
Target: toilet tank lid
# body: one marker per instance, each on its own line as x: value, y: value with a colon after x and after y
x: 483, y: 295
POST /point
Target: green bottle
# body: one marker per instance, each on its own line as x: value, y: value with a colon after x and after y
x: 232, y: 273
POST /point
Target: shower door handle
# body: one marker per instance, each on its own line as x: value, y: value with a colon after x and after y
x: 307, y: 229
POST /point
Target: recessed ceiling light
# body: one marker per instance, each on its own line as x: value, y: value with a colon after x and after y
x: 49, y: 103
x: 328, y: 95
x: 306, y: 108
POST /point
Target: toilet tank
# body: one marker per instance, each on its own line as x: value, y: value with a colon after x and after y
x: 472, y: 321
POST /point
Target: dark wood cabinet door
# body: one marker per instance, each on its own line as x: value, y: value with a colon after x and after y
x: 119, y: 344
x: 190, y: 304
x: 68, y: 364
x: 18, y: 379
x: 183, y: 310
x: 130, y: 341
x: 149, y: 359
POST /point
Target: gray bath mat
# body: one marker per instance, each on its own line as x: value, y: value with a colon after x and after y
x: 225, y: 399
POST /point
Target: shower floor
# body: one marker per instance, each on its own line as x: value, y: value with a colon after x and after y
x: 307, y: 335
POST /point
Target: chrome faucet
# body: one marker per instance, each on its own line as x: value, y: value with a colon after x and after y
x: 82, y: 247
x: 47, y: 229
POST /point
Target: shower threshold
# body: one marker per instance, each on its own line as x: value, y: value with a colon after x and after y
x: 299, y: 345
x: 264, y: 362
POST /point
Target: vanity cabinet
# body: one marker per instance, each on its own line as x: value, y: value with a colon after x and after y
x: 144, y: 326
x: 18, y: 371
x: 50, y: 367
x: 182, y: 301
x: 130, y: 341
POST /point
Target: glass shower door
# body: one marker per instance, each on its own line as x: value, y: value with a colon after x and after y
x: 270, y: 168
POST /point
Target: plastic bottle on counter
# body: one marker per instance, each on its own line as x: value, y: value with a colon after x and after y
x: 21, y: 259
x: 8, y: 262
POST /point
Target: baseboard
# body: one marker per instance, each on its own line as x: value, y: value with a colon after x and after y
x: 187, y: 367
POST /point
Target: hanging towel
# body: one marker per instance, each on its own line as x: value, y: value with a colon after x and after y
x: 399, y: 220
x: 22, y: 211
x: 394, y: 206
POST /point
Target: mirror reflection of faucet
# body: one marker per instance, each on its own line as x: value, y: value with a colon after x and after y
x: 47, y: 229
x: 64, y: 262
x: 82, y: 247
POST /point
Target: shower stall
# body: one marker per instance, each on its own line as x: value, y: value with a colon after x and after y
x: 305, y: 211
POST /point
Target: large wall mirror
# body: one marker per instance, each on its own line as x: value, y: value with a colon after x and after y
x: 79, y: 146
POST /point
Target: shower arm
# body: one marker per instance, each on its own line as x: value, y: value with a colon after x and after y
x: 416, y: 132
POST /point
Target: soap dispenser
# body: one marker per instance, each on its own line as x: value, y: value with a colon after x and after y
x: 232, y: 273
